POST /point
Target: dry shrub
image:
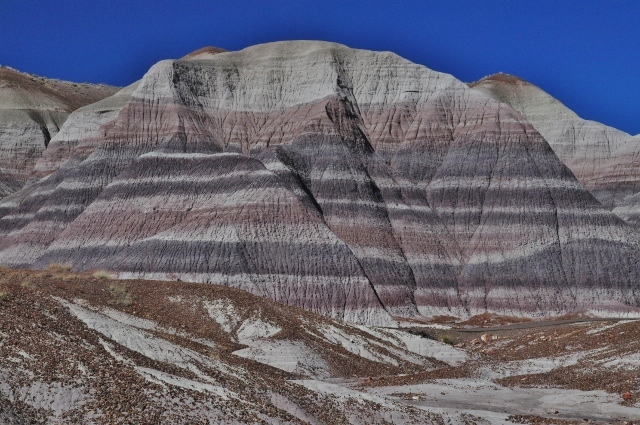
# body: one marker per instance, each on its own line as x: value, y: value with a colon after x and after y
x: 101, y: 275
x: 447, y: 340
x: 120, y: 295
x: 59, y: 268
x: 27, y: 284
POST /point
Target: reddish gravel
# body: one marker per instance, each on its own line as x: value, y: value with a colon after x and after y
x: 54, y: 349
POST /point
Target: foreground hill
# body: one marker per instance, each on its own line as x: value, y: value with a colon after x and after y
x: 351, y: 183
x: 32, y: 110
x: 605, y: 160
x: 84, y: 349
x: 80, y: 349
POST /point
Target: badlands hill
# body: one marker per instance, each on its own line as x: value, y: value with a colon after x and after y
x: 85, y: 123
x: 351, y: 183
x: 78, y: 349
x: 605, y: 160
x: 32, y: 110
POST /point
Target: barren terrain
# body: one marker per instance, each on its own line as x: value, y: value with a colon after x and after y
x: 302, y: 232
x: 84, y: 348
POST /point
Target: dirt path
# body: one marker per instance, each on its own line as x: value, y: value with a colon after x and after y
x: 532, y: 325
x: 494, y: 402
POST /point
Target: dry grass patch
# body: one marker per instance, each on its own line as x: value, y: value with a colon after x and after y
x: 120, y: 295
x: 101, y: 275
x: 57, y: 268
x: 27, y: 284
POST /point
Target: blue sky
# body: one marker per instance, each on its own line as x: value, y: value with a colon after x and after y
x: 585, y: 53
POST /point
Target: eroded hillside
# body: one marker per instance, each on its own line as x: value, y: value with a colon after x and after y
x: 352, y: 183
x: 32, y: 110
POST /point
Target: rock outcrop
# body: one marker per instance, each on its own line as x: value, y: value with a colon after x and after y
x: 77, y: 349
x: 204, y: 53
x: 605, y: 160
x: 352, y: 183
x: 32, y: 110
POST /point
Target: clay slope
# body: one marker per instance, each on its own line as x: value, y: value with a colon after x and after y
x: 81, y: 125
x: 32, y: 110
x: 353, y: 183
x: 81, y: 349
x: 604, y: 160
x: 84, y: 124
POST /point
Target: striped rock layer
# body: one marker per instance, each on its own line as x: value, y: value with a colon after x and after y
x: 32, y: 110
x: 84, y: 125
x: 352, y: 183
x: 605, y: 160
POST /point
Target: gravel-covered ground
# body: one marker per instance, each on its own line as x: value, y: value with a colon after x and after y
x: 83, y: 348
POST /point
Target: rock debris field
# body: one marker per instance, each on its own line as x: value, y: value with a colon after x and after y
x: 82, y: 348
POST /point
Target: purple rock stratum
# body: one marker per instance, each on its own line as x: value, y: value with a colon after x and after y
x: 352, y: 183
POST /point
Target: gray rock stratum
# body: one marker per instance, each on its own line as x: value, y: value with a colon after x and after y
x: 605, y: 160
x: 352, y: 183
x: 32, y: 110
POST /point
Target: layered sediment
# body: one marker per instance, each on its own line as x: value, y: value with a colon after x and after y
x: 352, y: 183
x: 32, y: 110
x: 604, y: 159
